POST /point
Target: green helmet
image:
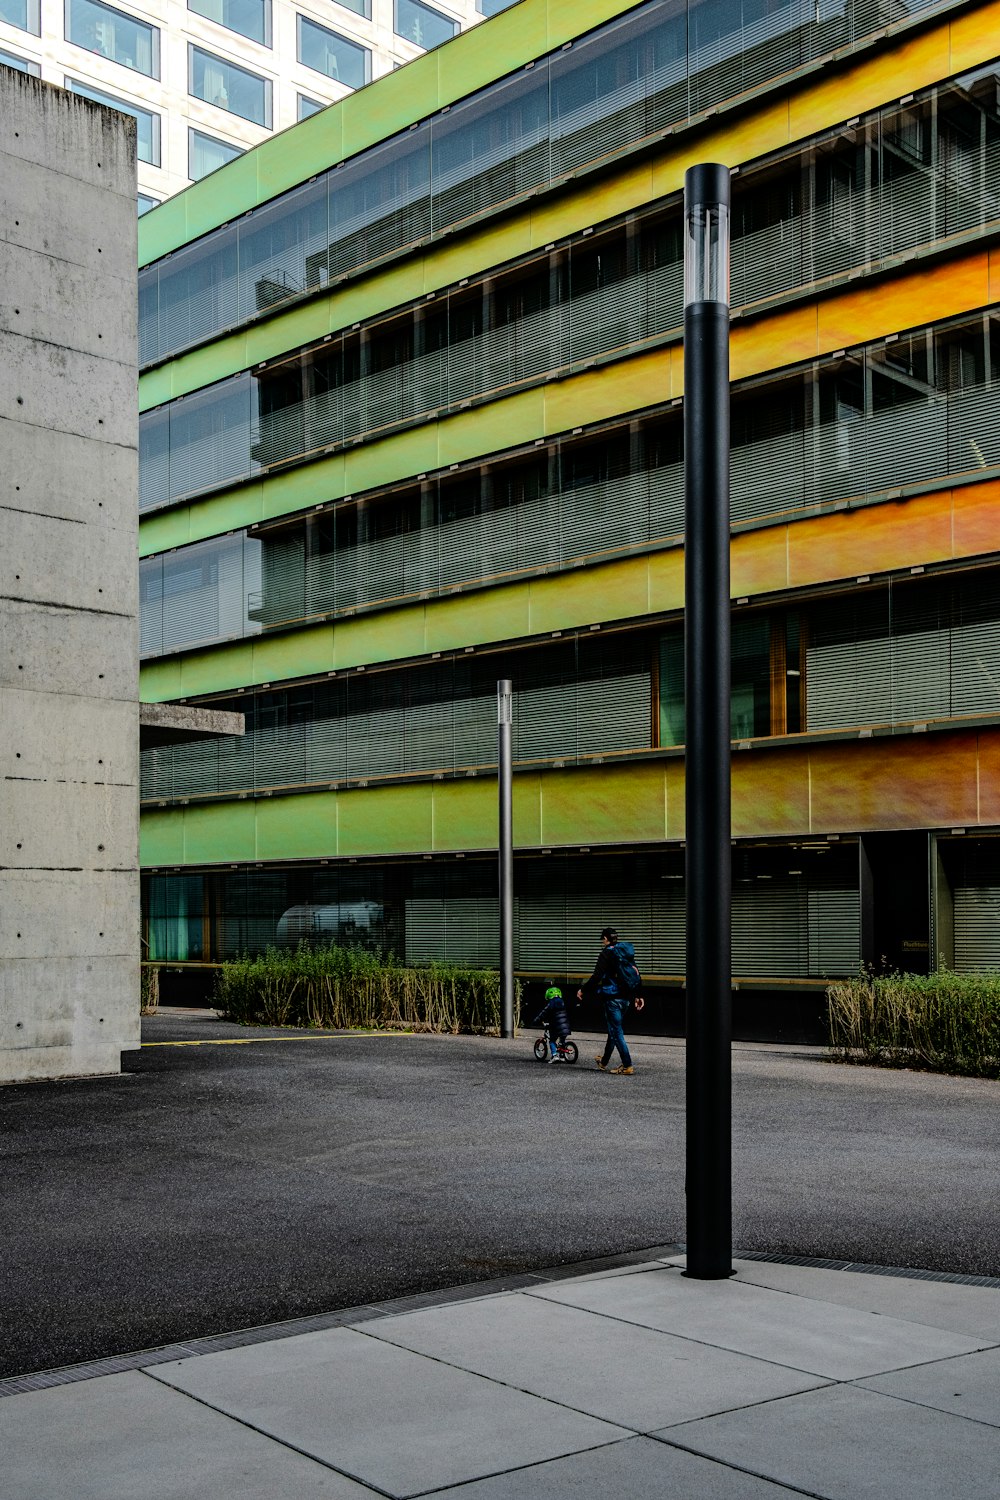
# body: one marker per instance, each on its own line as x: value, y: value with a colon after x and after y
x: 553, y: 992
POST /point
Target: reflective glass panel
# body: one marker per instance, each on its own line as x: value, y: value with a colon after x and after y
x: 22, y: 64
x: 250, y: 18
x: 147, y: 123
x: 206, y: 154
x: 112, y: 34
x: 423, y: 26
x: 228, y: 87
x: 333, y: 55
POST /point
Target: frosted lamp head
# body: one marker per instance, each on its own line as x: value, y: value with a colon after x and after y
x: 504, y: 695
x: 706, y: 234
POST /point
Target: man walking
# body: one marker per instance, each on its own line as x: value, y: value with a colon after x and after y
x: 606, y: 982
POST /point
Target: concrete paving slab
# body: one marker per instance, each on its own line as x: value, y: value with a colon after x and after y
x: 124, y: 1437
x: 381, y: 1414
x: 973, y: 1310
x: 840, y: 1343
x: 639, y: 1469
x: 846, y: 1443
x: 969, y: 1387
x: 640, y: 1378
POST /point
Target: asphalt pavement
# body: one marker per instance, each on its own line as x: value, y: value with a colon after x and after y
x: 231, y: 1178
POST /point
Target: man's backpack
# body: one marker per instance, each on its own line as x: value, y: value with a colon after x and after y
x: 628, y: 978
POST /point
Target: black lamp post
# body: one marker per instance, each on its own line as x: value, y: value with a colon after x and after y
x: 506, y: 862
x: 708, y: 862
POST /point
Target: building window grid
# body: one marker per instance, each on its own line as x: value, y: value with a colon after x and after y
x: 422, y: 24
x: 26, y: 16
x: 206, y: 153
x: 147, y: 121
x: 114, y: 34
x: 248, y: 18
x: 225, y: 85
x: 21, y: 64
x: 335, y: 56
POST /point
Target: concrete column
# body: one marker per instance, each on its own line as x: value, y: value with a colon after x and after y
x: 69, y: 884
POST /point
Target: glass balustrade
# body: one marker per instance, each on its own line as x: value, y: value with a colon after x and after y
x: 918, y: 175
x: 912, y: 410
x: 899, y: 652
x: 617, y: 87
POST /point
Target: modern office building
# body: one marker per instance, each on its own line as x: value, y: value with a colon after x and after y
x: 411, y: 392
x: 208, y: 79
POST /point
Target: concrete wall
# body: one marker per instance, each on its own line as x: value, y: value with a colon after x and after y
x: 69, y: 889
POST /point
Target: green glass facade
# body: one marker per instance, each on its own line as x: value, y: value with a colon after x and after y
x: 353, y: 526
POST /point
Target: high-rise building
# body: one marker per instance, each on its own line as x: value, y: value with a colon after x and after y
x: 412, y: 423
x: 208, y: 79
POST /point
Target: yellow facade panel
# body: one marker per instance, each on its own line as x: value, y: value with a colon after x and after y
x: 666, y: 580
x: 474, y: 618
x: 619, y: 591
x: 387, y: 819
x: 783, y: 338
x: 932, y: 292
x: 906, y: 782
x: 466, y: 814
x: 770, y: 792
x: 593, y: 203
x: 972, y: 36
x: 878, y: 538
x: 758, y: 562
x: 488, y: 428
x: 976, y: 519
x: 912, y: 63
x: 603, y: 805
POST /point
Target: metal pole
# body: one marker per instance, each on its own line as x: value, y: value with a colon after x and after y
x: 707, y: 698
x: 505, y: 791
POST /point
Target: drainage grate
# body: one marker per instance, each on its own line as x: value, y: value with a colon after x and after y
x: 909, y: 1273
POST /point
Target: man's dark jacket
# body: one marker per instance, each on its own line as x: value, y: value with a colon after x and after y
x: 604, y: 980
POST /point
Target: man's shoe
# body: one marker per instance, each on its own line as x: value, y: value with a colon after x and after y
x: 623, y: 1070
x: 601, y: 1064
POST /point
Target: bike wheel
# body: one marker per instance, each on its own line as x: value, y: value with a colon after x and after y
x: 541, y: 1049
x: 570, y: 1052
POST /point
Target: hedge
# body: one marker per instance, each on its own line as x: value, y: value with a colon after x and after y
x: 349, y: 987
x: 945, y: 1022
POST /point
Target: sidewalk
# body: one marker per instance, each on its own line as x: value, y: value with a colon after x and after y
x: 634, y: 1382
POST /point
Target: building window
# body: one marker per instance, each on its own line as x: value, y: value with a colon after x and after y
x: 309, y: 106
x: 249, y: 18
x: 26, y: 16
x: 228, y: 87
x: 112, y: 34
x: 418, y: 23
x: 22, y: 64
x: 145, y: 203
x: 147, y: 123
x: 493, y: 7
x: 206, y: 154
x: 333, y: 55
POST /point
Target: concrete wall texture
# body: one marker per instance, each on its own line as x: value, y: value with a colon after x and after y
x: 69, y: 888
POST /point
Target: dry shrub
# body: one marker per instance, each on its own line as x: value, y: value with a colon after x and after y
x: 945, y: 1022
x: 343, y: 988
